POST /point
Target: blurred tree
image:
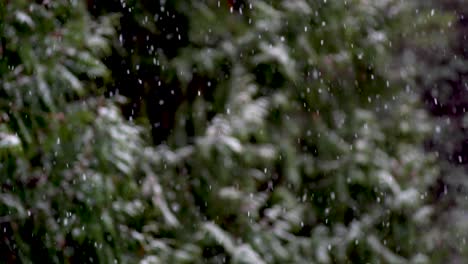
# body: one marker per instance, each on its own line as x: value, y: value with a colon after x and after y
x: 284, y: 131
x: 438, y: 57
x: 307, y: 138
x: 68, y: 159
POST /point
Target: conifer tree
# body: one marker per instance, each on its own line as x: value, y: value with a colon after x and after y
x: 284, y: 132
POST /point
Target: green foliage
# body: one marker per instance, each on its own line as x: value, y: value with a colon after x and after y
x: 68, y: 158
x: 305, y: 144
x: 438, y: 57
x: 315, y: 154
